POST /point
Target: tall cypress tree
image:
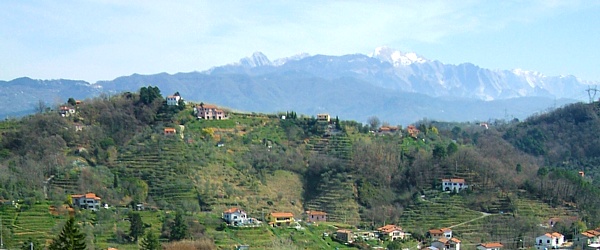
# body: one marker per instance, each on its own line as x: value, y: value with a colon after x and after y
x: 136, y: 228
x: 179, y: 230
x: 70, y: 238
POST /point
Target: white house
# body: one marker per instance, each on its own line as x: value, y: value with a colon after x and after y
x: 86, y: 201
x: 391, y: 232
x: 490, y: 246
x: 235, y: 216
x: 454, y: 185
x: 435, y: 234
x: 447, y: 244
x: 173, y: 100
x: 549, y: 241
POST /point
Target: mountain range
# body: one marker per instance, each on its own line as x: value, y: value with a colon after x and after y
x: 397, y: 87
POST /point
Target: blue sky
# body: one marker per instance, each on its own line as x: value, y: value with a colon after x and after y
x: 103, y: 39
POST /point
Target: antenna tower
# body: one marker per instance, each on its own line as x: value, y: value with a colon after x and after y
x: 590, y: 95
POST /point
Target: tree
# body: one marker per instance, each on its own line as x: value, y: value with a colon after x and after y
x: 150, y: 242
x: 70, y: 238
x: 179, y: 228
x: 452, y: 148
x: 374, y: 122
x: 136, y: 226
x: 72, y: 101
x: 439, y: 152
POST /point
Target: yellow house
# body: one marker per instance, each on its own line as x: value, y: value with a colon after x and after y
x: 280, y: 219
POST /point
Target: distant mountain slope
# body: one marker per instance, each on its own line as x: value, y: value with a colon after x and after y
x: 397, y: 87
x: 21, y: 96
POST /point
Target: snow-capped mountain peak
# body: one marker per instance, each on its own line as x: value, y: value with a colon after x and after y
x: 396, y: 57
x: 256, y: 60
x: 282, y: 61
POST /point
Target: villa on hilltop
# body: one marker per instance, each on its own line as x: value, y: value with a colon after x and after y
x: 209, y: 112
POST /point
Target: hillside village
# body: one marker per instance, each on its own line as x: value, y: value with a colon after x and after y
x: 230, y: 206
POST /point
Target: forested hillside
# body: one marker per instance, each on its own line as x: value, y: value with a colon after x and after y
x: 520, y: 173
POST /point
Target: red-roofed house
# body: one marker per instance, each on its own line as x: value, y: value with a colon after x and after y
x: 280, y: 219
x: 454, y: 185
x: 490, y: 246
x: 170, y: 131
x: 66, y: 110
x: 235, y: 216
x: 391, y: 232
x: 412, y: 131
x: 435, y: 234
x: 587, y: 238
x: 86, y: 201
x: 549, y: 240
x: 316, y: 216
x: 447, y: 244
x: 209, y: 112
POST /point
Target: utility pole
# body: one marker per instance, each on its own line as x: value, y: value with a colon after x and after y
x: 590, y: 95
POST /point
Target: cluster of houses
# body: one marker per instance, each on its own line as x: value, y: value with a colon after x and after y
x: 237, y: 217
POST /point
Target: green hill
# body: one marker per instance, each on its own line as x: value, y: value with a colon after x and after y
x: 116, y: 147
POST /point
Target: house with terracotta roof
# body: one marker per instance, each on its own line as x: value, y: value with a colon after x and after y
x: 387, y: 130
x: 589, y: 239
x: 173, y: 100
x: 234, y: 216
x: 316, y: 216
x: 490, y: 246
x: 412, y: 131
x: 549, y: 241
x: 170, y: 131
x: 280, y: 219
x: 209, y: 112
x: 435, y: 234
x: 454, y: 185
x: 391, y: 232
x: 446, y: 244
x: 66, y: 110
x: 86, y: 201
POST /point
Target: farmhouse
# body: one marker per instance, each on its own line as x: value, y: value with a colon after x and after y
x: 490, y: 246
x: 549, y: 240
x: 280, y: 219
x: 316, y: 216
x: 86, y: 201
x: 209, y: 112
x: 234, y: 216
x: 173, y: 100
x: 454, y: 185
x: 391, y: 232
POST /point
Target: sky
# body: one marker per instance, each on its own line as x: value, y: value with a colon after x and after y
x: 96, y: 40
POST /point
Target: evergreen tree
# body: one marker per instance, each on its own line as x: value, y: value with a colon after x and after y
x: 136, y: 226
x: 71, y: 101
x: 70, y: 238
x: 150, y: 242
x: 179, y: 228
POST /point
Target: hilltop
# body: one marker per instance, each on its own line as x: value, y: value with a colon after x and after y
x: 122, y: 148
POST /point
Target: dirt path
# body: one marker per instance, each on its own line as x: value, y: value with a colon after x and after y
x: 483, y: 215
